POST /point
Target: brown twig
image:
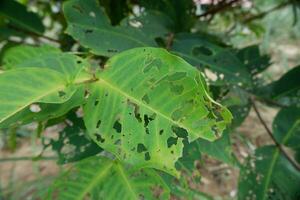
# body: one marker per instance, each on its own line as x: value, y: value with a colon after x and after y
x: 278, y: 145
x: 220, y: 7
x: 169, y: 41
x: 263, y: 14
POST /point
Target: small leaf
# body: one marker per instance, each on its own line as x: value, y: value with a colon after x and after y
x: 101, y: 178
x: 150, y: 98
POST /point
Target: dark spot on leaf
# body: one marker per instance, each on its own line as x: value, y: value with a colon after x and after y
x: 61, y: 93
x: 79, y: 61
x: 141, y: 147
x: 117, y: 126
x: 180, y: 132
x: 202, y: 50
x: 96, y: 103
x: 147, y: 130
x: 147, y: 156
x: 147, y: 119
x: 161, y: 132
x: 112, y: 50
x: 88, y: 31
x: 172, y: 141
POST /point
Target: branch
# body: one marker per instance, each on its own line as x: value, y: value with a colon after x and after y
x: 278, y: 145
x: 34, y: 34
x: 218, y: 8
x: 263, y: 14
x: 169, y: 41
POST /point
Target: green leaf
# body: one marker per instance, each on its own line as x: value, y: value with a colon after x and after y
x: 18, y: 15
x: 287, y: 124
x: 88, y: 24
x: 45, y: 111
x: 154, y: 23
x: 286, y: 90
x: 269, y: 175
x: 204, y: 54
x: 253, y: 59
x: 45, y: 57
x: 24, y: 53
x: 102, y: 178
x: 24, y: 86
x: 145, y: 102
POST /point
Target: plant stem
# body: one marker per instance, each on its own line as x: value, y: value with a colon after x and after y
x: 278, y: 145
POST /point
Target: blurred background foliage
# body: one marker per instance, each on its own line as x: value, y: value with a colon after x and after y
x: 249, y: 52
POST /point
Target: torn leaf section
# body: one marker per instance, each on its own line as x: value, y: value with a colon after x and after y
x: 148, y: 101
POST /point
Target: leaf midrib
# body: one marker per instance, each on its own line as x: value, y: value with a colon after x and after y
x: 139, y: 102
x: 96, y: 180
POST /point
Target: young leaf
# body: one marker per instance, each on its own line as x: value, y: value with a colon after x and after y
x: 102, y: 178
x: 88, y: 23
x: 145, y: 102
x: 202, y: 53
x: 18, y: 15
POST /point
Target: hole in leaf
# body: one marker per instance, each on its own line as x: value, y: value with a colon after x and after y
x: 141, y: 148
x: 147, y: 156
x: 98, y: 124
x: 99, y: 138
x: 171, y: 141
x: 147, y: 119
x: 180, y: 132
x: 161, y: 132
x: 117, y: 126
x: 202, y: 50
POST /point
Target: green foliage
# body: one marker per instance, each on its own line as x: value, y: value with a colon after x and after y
x: 143, y: 93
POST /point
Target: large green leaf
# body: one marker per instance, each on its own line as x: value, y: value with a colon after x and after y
x: 101, y: 178
x: 269, y: 175
x: 204, y: 54
x: 88, y: 23
x: 18, y: 15
x: 145, y: 102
